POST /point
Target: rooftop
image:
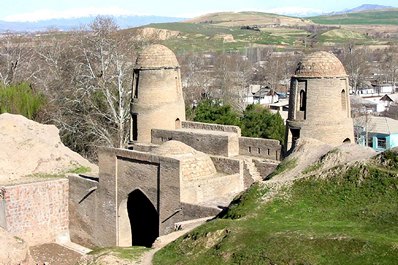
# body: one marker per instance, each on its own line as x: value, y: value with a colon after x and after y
x: 320, y: 64
x: 382, y: 125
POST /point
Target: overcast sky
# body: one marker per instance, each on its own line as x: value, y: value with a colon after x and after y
x: 34, y: 10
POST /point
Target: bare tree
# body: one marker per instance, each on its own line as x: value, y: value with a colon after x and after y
x: 389, y: 65
x: 15, y: 58
x: 356, y: 63
x: 88, y: 78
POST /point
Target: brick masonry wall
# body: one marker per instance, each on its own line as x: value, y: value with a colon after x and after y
x: 204, y: 190
x: 37, y: 212
x: 258, y: 147
x: 211, y: 127
x: 327, y: 115
x: 227, y: 165
x: 208, y: 143
x: 82, y: 210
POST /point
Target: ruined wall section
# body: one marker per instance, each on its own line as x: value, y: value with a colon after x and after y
x: 197, y: 191
x: 82, y: 209
x: 210, y: 127
x: 213, y: 143
x: 259, y: 147
x: 227, y: 165
x: 38, y: 211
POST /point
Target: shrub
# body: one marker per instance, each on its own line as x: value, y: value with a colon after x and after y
x: 21, y: 99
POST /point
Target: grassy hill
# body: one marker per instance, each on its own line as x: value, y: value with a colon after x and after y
x: 233, y: 19
x: 210, y: 37
x: 229, y: 32
x: 341, y: 36
x: 346, y: 215
x: 383, y: 17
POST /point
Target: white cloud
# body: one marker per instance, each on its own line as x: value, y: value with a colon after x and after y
x: 295, y: 11
x: 70, y: 13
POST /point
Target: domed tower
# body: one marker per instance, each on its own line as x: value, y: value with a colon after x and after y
x: 157, y: 101
x: 319, y: 105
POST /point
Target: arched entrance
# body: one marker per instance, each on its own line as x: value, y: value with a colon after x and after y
x: 144, y: 219
x: 347, y: 141
x: 178, y: 123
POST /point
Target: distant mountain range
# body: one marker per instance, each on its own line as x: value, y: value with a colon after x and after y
x: 65, y: 24
x: 363, y: 8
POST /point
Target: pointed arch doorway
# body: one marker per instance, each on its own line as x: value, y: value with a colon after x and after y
x: 138, y: 221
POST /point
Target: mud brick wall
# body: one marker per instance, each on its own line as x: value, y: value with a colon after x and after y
x: 37, y: 212
x: 258, y: 147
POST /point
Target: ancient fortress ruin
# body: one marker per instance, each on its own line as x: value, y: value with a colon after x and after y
x: 319, y: 104
x: 174, y: 170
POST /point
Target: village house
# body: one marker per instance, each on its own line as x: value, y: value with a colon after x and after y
x: 381, y: 132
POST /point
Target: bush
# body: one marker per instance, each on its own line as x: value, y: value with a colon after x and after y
x: 21, y: 99
x: 257, y: 120
x: 213, y: 111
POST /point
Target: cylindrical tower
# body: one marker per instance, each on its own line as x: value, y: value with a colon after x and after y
x: 319, y: 104
x: 157, y: 101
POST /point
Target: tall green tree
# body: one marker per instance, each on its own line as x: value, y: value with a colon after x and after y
x: 213, y: 111
x: 258, y: 121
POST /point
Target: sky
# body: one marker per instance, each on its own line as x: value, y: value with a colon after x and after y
x: 35, y: 10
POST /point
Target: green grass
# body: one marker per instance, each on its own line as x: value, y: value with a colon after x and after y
x: 360, y: 18
x: 77, y: 170
x: 349, y: 218
x: 200, y: 37
x: 312, y: 168
x: 127, y: 253
x: 286, y: 164
x: 80, y: 170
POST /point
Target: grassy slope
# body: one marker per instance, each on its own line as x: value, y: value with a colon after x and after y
x: 389, y: 17
x: 201, y: 37
x: 248, y: 18
x: 348, y: 218
x: 343, y: 36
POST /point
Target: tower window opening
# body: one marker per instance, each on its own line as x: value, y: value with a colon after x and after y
x: 135, y: 84
x: 343, y: 100
x: 303, y: 101
x: 135, y: 124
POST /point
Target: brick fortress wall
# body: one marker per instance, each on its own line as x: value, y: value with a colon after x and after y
x: 37, y: 212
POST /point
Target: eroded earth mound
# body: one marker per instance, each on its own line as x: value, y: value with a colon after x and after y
x: 29, y: 148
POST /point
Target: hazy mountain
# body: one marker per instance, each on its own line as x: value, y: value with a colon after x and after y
x: 74, y: 23
x: 363, y: 8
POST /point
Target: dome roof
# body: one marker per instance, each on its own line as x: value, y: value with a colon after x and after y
x: 156, y: 56
x: 172, y: 148
x: 320, y: 64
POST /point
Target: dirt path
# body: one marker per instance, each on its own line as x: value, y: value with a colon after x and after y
x: 161, y: 242
x: 53, y: 254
